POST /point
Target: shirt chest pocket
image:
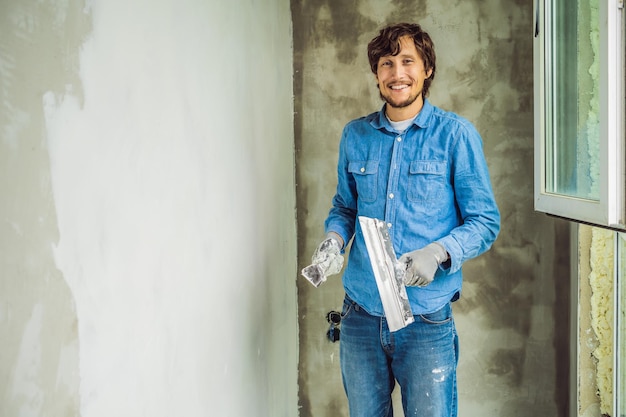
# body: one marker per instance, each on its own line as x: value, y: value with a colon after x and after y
x: 365, y: 174
x: 427, y: 182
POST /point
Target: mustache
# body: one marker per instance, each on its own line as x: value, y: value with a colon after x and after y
x: 403, y: 104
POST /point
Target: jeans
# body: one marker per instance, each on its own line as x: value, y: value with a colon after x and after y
x: 422, y: 357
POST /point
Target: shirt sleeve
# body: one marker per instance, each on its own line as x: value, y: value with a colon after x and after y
x: 342, y: 216
x: 475, y: 200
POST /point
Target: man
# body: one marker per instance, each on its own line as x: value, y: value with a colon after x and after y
x: 422, y: 170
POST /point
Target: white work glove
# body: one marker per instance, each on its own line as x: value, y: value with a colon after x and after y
x: 328, y: 255
x: 326, y: 260
x: 421, y: 265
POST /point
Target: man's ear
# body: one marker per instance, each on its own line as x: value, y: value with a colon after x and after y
x: 429, y: 73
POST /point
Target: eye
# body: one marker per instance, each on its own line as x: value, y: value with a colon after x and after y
x: 385, y: 64
x: 408, y: 61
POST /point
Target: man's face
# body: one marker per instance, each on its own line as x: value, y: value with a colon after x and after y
x: 401, y: 78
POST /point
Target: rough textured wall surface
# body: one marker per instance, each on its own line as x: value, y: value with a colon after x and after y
x: 513, y: 314
x: 39, y: 358
x: 147, y: 218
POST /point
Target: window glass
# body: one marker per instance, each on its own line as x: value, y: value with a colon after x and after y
x: 572, y: 147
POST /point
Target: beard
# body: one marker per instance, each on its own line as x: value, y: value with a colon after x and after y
x: 400, y: 104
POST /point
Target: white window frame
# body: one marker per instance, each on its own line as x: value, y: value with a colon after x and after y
x: 610, y: 210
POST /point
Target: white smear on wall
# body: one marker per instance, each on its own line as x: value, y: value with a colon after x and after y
x: 27, y: 367
x: 172, y: 180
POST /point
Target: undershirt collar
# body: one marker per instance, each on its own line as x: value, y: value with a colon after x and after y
x: 402, y: 125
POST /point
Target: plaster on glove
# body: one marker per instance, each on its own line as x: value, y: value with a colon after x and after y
x: 326, y: 260
x: 422, y: 264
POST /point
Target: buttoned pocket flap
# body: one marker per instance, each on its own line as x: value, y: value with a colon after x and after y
x: 428, y: 167
x: 363, y: 167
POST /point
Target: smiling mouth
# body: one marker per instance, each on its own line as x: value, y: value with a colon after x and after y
x: 399, y: 87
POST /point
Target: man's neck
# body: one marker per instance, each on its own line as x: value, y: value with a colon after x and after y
x: 398, y: 114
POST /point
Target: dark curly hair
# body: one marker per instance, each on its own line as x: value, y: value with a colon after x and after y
x: 388, y: 43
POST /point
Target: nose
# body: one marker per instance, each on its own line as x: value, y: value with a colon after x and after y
x: 398, y: 71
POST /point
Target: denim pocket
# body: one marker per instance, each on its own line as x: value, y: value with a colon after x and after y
x: 441, y: 316
x: 365, y: 175
x: 348, y: 307
x: 427, y: 182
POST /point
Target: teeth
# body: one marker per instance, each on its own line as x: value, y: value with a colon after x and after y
x: 399, y: 87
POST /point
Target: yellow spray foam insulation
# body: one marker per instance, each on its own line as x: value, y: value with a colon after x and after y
x: 601, y: 282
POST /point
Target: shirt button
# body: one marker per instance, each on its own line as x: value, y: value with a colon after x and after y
x: 399, y: 139
x: 362, y: 169
x: 388, y: 225
x: 391, y: 195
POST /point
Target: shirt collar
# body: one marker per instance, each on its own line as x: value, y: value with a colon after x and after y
x: 422, y: 120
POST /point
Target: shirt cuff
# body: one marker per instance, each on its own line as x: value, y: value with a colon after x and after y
x: 455, y: 254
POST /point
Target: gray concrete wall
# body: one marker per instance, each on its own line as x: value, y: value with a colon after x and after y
x: 147, y: 212
x: 513, y: 315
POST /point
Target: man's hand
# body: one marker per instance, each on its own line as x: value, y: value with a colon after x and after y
x: 326, y: 260
x: 328, y: 255
x: 422, y: 264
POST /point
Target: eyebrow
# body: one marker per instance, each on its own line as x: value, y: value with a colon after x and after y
x: 400, y: 56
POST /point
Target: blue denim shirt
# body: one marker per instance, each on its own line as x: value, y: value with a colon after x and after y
x: 429, y: 183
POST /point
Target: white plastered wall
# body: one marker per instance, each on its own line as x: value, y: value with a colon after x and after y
x: 167, y: 179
